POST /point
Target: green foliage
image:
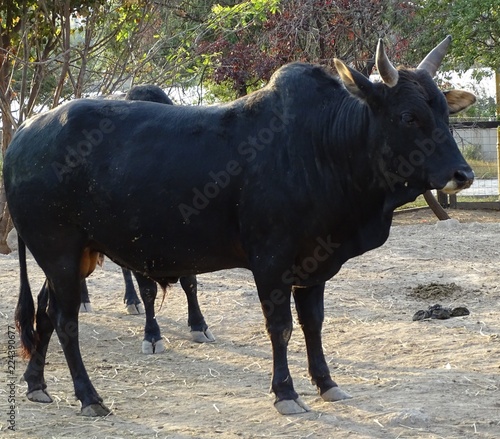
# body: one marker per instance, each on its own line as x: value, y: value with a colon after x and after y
x: 473, y: 24
x: 233, y: 47
x: 484, y: 108
x: 249, y: 40
x: 218, y: 92
x: 230, y: 50
x: 243, y: 14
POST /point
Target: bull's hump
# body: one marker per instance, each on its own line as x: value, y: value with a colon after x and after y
x: 101, y: 108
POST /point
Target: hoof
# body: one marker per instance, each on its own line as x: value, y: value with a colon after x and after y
x: 39, y: 396
x: 156, y: 347
x: 335, y: 394
x: 86, y: 307
x: 135, y: 309
x: 94, y: 410
x: 202, y: 336
x: 291, y: 406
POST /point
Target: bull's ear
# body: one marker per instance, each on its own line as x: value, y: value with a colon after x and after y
x: 459, y: 100
x: 354, y: 81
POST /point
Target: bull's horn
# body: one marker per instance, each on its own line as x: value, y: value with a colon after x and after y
x: 433, y: 60
x: 387, y: 71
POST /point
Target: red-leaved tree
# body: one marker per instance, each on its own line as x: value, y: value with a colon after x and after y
x: 246, y: 43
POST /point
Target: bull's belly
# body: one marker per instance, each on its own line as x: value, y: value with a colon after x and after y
x: 171, y: 255
x: 173, y: 265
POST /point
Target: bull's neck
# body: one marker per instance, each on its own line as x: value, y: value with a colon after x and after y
x: 348, y: 144
x: 350, y: 128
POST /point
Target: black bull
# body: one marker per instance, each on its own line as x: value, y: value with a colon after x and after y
x: 289, y: 182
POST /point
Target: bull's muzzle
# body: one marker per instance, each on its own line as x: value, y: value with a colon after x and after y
x: 462, y: 179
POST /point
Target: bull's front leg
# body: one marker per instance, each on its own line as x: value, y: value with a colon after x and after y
x: 275, y: 302
x: 309, y: 303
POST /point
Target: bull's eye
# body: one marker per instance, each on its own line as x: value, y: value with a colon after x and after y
x: 409, y: 119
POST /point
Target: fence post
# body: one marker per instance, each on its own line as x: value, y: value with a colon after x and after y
x: 497, y: 83
x: 498, y: 158
x: 443, y: 199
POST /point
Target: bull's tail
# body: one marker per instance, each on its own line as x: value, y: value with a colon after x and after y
x: 25, y: 309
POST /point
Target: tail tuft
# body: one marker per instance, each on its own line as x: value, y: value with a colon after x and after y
x: 25, y: 309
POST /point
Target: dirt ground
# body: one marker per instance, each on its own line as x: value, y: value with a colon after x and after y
x: 409, y: 379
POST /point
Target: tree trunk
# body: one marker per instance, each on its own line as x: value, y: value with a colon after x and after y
x: 7, y: 132
x: 65, y: 42
x: 5, y: 227
x: 5, y: 220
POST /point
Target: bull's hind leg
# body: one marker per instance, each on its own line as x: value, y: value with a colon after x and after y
x: 199, y: 328
x: 34, y: 375
x: 64, y: 315
x: 152, y: 343
x: 65, y: 265
x: 310, y: 310
x: 64, y: 304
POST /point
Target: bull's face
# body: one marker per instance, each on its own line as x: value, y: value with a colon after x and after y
x: 419, y: 150
x: 411, y: 116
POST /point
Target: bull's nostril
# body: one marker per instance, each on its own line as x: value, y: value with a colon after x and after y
x: 463, y: 176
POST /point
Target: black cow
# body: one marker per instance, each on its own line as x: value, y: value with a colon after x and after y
x: 289, y: 182
x: 148, y: 92
x: 152, y: 342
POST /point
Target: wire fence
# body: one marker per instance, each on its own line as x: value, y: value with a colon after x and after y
x: 478, y: 142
